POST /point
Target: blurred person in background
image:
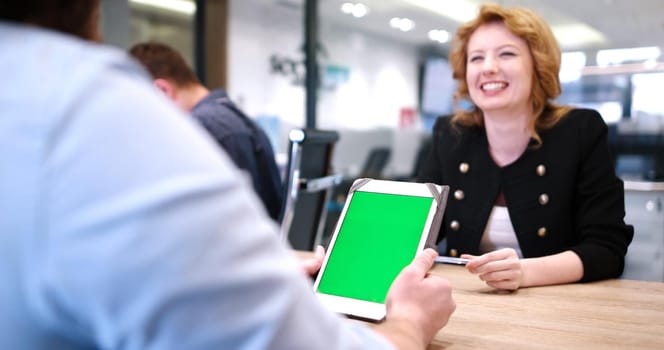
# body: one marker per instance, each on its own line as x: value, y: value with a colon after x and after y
x: 242, y: 139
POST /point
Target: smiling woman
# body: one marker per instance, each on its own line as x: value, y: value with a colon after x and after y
x: 535, y: 197
x: 499, y: 75
x: 534, y: 41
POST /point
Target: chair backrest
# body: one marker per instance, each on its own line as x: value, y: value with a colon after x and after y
x: 421, y: 157
x: 376, y: 162
x: 308, y: 185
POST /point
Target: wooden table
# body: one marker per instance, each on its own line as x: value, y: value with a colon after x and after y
x: 612, y: 314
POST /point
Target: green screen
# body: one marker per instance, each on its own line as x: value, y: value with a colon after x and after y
x: 379, y: 235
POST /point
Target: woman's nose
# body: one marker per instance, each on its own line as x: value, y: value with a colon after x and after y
x: 489, y: 65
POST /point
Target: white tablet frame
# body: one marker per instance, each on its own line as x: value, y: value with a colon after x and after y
x: 367, y: 310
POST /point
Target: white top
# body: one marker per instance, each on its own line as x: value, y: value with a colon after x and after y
x: 499, y: 232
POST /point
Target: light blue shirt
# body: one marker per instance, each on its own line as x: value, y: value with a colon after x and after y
x: 122, y: 226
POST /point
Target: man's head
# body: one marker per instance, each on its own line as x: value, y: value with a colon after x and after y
x: 75, y: 17
x: 170, y: 72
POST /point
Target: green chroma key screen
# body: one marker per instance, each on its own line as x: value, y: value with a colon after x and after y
x: 378, y: 238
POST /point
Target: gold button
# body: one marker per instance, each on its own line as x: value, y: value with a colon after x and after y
x: 541, y: 232
x: 464, y: 167
x: 544, y: 199
x: 454, y: 225
x: 453, y: 252
x: 459, y: 195
x: 541, y: 170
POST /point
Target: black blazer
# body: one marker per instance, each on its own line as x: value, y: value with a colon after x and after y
x: 561, y: 196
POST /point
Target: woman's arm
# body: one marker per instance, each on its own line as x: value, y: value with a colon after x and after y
x: 603, y: 236
x: 502, y: 269
x: 565, y: 267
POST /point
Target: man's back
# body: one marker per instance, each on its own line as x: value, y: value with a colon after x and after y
x: 123, y: 227
x: 237, y: 134
x: 246, y: 144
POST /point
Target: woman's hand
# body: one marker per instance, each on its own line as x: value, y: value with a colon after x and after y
x: 500, y: 269
x: 311, y: 266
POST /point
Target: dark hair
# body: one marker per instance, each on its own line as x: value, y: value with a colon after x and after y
x: 544, y: 50
x: 164, y: 62
x: 75, y: 17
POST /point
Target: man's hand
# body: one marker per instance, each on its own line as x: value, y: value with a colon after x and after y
x: 311, y: 266
x: 418, y: 304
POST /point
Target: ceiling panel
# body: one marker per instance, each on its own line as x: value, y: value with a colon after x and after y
x: 624, y: 23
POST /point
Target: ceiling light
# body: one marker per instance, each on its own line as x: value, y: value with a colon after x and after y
x: 347, y: 7
x: 403, y: 24
x: 358, y: 10
x: 461, y: 11
x: 439, y: 35
x: 187, y: 7
x: 577, y: 35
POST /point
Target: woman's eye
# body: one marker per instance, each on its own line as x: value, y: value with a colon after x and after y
x: 475, y: 58
x: 507, y: 54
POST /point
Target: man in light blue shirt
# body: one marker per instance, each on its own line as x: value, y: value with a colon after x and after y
x: 122, y: 225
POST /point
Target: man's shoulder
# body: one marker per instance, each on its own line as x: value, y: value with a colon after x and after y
x: 219, y: 118
x: 214, y: 105
x: 64, y: 58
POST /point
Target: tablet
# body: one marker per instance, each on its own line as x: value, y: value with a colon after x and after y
x: 381, y: 228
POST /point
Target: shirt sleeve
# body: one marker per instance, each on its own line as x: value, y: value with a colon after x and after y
x: 153, y: 241
x: 600, y: 205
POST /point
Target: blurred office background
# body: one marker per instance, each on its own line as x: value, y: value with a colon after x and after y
x: 384, y: 78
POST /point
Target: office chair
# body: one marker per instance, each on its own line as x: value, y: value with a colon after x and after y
x: 420, y: 158
x: 308, y: 186
x: 376, y: 162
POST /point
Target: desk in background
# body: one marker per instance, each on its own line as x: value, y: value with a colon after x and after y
x: 612, y: 314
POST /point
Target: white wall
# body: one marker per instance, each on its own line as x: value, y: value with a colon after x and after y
x: 251, y: 42
x: 382, y: 80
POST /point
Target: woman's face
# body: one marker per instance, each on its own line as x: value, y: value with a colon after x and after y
x: 499, y: 70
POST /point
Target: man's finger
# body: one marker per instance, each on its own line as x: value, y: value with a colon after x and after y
x: 424, y: 261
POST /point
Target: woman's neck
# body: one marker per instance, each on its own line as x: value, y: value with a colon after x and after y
x: 508, y: 136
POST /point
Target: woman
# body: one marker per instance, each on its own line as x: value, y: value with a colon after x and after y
x: 535, y: 199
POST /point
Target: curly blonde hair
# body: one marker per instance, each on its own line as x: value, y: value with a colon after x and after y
x: 545, y: 53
